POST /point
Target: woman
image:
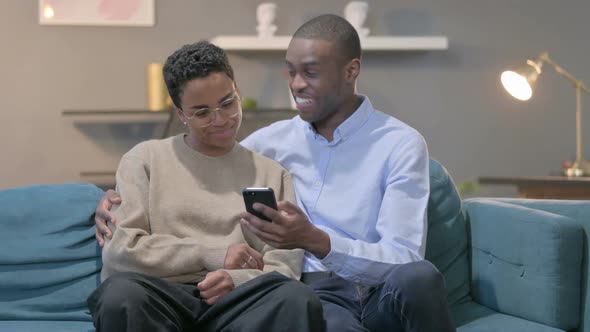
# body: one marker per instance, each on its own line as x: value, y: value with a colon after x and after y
x: 179, y: 259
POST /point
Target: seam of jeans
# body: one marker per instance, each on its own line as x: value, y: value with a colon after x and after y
x: 359, y: 297
x: 395, y: 298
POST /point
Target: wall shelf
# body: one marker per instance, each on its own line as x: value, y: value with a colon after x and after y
x: 371, y: 43
x: 117, y: 115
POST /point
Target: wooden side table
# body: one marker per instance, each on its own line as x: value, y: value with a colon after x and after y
x: 548, y: 187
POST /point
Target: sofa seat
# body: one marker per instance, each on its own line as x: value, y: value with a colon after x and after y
x: 474, y: 317
x: 45, y: 325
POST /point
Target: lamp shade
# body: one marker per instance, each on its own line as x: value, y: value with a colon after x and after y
x: 519, y: 83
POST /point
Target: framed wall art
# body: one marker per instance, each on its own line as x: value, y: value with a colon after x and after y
x: 97, y: 12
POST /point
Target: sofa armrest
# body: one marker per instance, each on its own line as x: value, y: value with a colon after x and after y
x: 526, y: 262
x: 580, y: 211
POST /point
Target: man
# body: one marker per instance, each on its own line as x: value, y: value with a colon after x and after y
x: 361, y: 178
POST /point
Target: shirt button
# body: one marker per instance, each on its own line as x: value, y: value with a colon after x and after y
x: 317, y: 183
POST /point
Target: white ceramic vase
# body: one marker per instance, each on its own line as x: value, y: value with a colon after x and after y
x: 355, y: 12
x: 265, y: 16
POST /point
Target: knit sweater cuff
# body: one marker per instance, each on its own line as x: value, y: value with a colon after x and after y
x: 240, y: 277
x: 215, y: 258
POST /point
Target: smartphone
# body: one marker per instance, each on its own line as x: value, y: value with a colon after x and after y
x: 265, y: 196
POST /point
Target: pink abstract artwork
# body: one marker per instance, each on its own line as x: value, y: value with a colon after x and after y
x: 97, y: 12
x: 119, y: 10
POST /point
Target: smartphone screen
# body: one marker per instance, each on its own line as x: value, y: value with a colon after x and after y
x: 264, y: 196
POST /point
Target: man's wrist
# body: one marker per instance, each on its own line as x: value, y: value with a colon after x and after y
x: 319, y: 243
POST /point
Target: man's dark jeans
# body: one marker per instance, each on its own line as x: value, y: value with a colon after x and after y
x: 412, y: 298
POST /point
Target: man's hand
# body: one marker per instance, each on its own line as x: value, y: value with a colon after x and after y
x: 290, y: 228
x: 103, y: 215
x: 215, y: 286
x: 242, y: 256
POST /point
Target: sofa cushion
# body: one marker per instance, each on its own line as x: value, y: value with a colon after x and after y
x: 580, y: 211
x: 473, y: 317
x: 50, y: 261
x: 446, y: 245
x: 526, y: 262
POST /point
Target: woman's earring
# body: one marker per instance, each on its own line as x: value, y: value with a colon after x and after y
x: 184, y: 123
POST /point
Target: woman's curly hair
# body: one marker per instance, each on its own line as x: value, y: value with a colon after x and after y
x: 192, y: 61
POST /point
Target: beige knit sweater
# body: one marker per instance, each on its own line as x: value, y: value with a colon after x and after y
x: 180, y: 212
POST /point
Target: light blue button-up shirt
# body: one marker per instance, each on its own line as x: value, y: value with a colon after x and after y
x: 368, y: 189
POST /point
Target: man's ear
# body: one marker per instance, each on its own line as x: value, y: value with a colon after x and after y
x: 352, y: 70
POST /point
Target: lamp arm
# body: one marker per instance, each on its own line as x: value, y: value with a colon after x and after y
x: 579, y: 167
x: 578, y: 84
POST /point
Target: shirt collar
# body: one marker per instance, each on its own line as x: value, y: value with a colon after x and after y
x: 355, y: 120
x: 350, y: 125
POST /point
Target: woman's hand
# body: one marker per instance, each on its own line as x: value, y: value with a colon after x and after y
x: 242, y: 256
x: 215, y: 286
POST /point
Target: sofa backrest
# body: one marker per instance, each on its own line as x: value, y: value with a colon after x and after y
x: 447, y: 241
x: 50, y: 261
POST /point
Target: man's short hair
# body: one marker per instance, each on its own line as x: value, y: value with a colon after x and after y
x: 335, y: 29
x: 192, y: 61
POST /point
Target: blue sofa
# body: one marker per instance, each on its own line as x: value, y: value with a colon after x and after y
x: 509, y: 264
